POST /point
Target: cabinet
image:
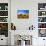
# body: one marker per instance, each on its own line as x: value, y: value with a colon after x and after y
x: 4, y: 22
x: 3, y: 40
x: 42, y: 19
x: 4, y: 19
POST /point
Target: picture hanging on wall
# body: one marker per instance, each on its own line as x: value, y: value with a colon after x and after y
x: 22, y: 14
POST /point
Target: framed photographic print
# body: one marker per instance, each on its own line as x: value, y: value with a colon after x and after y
x: 22, y: 14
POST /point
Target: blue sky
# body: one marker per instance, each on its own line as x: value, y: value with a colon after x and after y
x: 22, y: 11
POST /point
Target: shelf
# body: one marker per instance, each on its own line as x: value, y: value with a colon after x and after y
x: 41, y: 28
x: 3, y: 16
x: 41, y: 22
x: 3, y: 10
x: 4, y: 19
x: 41, y: 10
x: 3, y: 22
x: 42, y: 16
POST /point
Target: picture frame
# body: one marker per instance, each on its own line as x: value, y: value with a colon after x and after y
x: 23, y: 14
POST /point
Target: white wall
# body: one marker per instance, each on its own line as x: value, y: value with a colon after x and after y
x: 23, y: 24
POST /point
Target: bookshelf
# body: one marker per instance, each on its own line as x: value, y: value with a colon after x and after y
x: 4, y: 19
x: 42, y: 19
